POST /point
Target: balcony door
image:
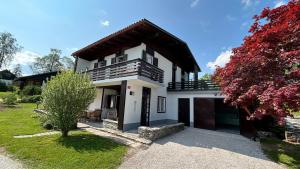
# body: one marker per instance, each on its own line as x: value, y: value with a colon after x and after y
x: 145, y: 110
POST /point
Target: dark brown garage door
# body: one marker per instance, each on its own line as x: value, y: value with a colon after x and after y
x: 204, y: 113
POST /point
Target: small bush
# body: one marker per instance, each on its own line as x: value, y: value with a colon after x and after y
x: 31, y: 90
x: 3, y: 86
x: 278, y: 131
x: 10, y: 99
x: 31, y: 99
x: 12, y: 88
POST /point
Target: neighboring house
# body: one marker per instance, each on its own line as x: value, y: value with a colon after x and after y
x: 37, y: 79
x: 142, y: 74
x: 7, y: 77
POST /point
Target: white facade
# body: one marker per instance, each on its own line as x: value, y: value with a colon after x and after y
x: 134, y: 88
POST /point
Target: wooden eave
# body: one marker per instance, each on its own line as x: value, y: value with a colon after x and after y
x: 144, y: 31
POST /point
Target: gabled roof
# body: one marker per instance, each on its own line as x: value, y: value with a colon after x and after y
x: 41, y: 76
x: 7, y: 75
x: 147, y: 32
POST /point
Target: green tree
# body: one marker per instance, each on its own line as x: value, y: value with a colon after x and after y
x: 65, y: 97
x: 206, y: 76
x: 48, y: 63
x: 8, y: 48
x: 17, y: 70
x: 52, y: 62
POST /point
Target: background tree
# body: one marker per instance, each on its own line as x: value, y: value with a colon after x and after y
x: 263, y: 75
x: 68, y: 63
x: 206, y: 76
x: 65, y: 97
x: 17, y: 70
x: 8, y: 48
x: 52, y: 62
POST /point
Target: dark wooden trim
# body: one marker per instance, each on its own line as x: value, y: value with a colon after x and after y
x: 132, y: 67
x: 165, y: 104
x: 202, y: 85
x: 122, y: 104
x: 103, y: 89
x: 76, y: 62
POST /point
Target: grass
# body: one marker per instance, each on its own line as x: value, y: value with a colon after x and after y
x: 3, y: 94
x: 81, y: 150
x: 282, y: 152
x: 297, y: 114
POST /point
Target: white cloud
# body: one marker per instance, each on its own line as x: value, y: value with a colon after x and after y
x: 244, y: 24
x: 246, y: 3
x: 105, y: 23
x: 230, y: 18
x: 278, y: 3
x: 194, y: 3
x: 25, y: 58
x: 221, y: 60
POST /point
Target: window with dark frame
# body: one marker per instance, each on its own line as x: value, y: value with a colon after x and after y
x: 161, y: 104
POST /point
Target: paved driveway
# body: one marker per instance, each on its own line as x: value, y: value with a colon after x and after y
x: 197, y: 148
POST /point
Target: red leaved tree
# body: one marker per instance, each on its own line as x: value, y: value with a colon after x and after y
x: 263, y: 75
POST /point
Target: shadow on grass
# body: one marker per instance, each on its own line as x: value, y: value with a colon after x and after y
x: 88, y: 142
x: 282, y: 152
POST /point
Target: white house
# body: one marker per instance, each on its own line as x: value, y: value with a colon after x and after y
x: 142, y: 74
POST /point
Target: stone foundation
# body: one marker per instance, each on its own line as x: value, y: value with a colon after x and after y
x: 154, y: 133
x: 110, y: 124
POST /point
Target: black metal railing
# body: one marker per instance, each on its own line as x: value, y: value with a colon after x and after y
x: 204, y: 85
x: 128, y: 68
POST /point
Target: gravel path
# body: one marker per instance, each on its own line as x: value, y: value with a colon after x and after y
x: 197, y: 148
x: 8, y: 163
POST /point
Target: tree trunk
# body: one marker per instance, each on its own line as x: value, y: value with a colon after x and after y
x: 64, y: 133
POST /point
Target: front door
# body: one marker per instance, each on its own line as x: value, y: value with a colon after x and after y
x: 184, y: 111
x: 145, y: 112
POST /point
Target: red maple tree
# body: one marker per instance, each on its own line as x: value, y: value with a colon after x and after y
x: 263, y: 74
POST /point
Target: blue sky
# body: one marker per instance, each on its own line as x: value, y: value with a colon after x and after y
x: 210, y: 27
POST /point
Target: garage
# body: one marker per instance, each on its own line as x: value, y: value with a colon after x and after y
x: 213, y: 113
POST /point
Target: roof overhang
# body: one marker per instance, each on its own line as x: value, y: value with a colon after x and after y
x: 146, y: 32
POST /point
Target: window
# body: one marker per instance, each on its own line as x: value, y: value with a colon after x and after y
x: 111, y: 101
x: 161, y: 104
x: 149, y: 58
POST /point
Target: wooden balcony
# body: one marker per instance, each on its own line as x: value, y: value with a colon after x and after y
x: 128, y: 68
x: 200, y: 85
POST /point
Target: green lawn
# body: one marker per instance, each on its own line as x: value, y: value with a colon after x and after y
x: 297, y: 114
x: 3, y: 94
x: 282, y: 152
x: 81, y: 150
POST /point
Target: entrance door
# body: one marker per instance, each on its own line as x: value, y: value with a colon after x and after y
x: 145, y: 112
x: 204, y: 113
x: 184, y: 111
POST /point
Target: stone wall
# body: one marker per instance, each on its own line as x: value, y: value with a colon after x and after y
x: 153, y: 133
x: 110, y: 124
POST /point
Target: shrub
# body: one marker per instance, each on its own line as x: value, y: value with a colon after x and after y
x: 10, y: 99
x: 279, y: 131
x: 12, y: 88
x: 3, y: 86
x: 31, y: 90
x: 31, y: 99
x: 65, y: 97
